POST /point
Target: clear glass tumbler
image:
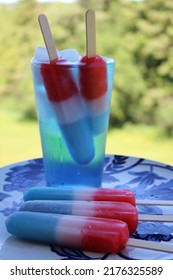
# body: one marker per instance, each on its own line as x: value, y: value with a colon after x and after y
x: 73, y: 108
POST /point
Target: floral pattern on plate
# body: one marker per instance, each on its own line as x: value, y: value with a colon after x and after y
x: 147, y: 179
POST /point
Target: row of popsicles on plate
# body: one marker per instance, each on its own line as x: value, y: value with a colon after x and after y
x: 98, y: 220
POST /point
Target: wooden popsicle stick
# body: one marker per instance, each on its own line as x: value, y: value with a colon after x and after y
x: 150, y: 245
x: 155, y: 218
x: 90, y: 33
x: 48, y: 39
x: 154, y: 202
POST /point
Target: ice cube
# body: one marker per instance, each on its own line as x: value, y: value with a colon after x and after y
x: 41, y: 54
x: 70, y: 54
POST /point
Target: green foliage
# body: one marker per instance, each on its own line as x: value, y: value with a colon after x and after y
x: 153, y: 36
x: 138, y: 35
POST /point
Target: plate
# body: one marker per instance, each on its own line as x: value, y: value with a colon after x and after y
x: 147, y: 179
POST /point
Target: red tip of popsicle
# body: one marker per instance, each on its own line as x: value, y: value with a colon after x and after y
x: 58, y: 81
x: 122, y: 211
x: 93, y: 77
x: 93, y: 60
x: 103, y: 194
x: 108, y: 236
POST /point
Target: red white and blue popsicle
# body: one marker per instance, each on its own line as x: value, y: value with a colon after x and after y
x: 93, y: 80
x: 64, y: 97
x: 86, y: 233
x: 102, y: 209
x: 79, y: 193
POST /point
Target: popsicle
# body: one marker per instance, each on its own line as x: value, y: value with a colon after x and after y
x: 64, y: 97
x: 93, y: 80
x: 86, y: 233
x: 79, y: 193
x: 112, y: 210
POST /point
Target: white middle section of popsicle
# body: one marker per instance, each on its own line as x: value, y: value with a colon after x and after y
x: 69, y: 110
x: 85, y: 194
x: 97, y: 106
x: 68, y: 230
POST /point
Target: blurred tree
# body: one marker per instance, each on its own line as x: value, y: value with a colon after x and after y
x: 141, y: 40
x: 138, y: 35
x: 16, y: 55
x: 153, y: 50
x: 25, y: 18
x: 25, y: 11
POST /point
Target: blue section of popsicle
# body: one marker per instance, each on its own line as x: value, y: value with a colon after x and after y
x: 99, y: 123
x: 48, y: 206
x: 49, y: 193
x: 77, y: 136
x: 33, y: 226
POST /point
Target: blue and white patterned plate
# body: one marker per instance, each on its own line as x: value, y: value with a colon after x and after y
x: 147, y: 179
